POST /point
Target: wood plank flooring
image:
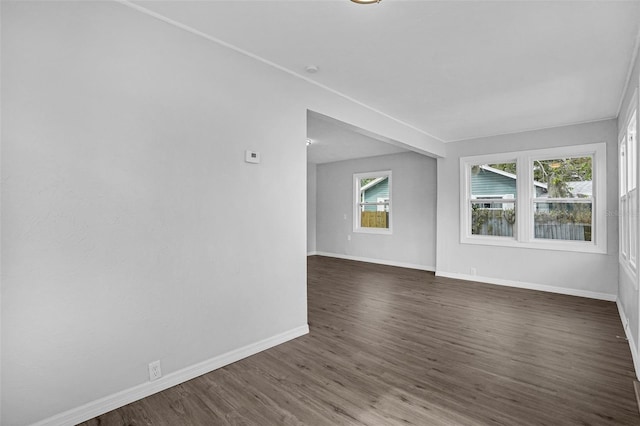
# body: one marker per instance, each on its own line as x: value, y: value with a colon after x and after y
x: 393, y: 346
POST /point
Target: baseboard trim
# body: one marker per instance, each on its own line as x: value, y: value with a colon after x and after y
x: 111, y: 402
x: 312, y: 253
x: 530, y: 286
x: 632, y: 343
x: 378, y: 261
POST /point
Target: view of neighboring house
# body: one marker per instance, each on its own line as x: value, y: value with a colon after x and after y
x: 376, y: 191
x: 374, y: 202
x: 581, y: 189
x: 490, y: 183
x: 572, y: 221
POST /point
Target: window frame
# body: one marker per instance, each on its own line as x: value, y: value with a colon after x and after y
x: 357, y: 177
x: 628, y: 191
x: 523, y: 232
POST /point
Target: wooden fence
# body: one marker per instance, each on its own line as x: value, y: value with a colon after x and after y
x: 563, y: 231
x: 496, y: 226
x: 499, y: 226
x: 371, y: 219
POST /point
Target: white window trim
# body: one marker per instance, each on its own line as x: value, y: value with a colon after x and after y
x: 523, y: 231
x: 625, y: 259
x: 622, y: 197
x: 356, y: 203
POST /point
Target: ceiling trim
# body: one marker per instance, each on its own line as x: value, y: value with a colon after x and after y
x: 634, y: 56
x: 577, y: 123
x: 199, y: 33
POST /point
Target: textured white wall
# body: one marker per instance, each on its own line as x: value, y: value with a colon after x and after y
x: 595, y: 273
x: 311, y: 207
x: 414, y: 210
x: 132, y: 228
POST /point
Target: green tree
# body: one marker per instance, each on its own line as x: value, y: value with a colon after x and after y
x: 505, y: 167
x: 556, y: 173
x: 365, y: 181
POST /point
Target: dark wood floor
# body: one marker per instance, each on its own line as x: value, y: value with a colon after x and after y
x: 391, y: 346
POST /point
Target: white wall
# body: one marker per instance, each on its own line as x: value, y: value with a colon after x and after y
x: 414, y: 211
x: 311, y: 207
x: 132, y: 228
x: 576, y: 273
x: 628, y: 285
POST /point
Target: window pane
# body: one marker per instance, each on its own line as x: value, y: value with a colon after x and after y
x: 373, y: 188
x: 632, y: 161
x: 493, y: 180
x: 623, y: 167
x: 563, y: 178
x: 624, y: 227
x: 371, y: 218
x: 496, y: 219
x: 374, y: 201
x: 563, y: 221
x: 632, y: 219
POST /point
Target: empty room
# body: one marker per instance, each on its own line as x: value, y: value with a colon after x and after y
x: 319, y: 212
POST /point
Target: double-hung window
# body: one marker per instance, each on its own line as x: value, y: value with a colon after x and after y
x: 548, y: 199
x: 492, y: 199
x: 372, y: 206
x: 628, y: 190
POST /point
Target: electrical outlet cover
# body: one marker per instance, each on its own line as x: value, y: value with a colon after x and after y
x: 155, y: 372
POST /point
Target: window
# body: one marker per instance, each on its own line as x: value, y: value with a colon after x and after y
x: 544, y: 199
x: 563, y: 210
x: 628, y: 191
x: 372, y: 207
x: 493, y: 214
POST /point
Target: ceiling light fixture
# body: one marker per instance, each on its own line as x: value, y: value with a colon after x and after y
x: 311, y: 69
x: 366, y: 1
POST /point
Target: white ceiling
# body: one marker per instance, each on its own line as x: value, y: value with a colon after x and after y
x: 455, y: 69
x: 334, y: 141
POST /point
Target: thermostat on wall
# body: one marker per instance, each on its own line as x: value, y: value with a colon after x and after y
x: 251, y: 156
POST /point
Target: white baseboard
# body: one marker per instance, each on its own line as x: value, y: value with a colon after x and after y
x: 378, y: 261
x: 632, y: 343
x: 530, y: 286
x: 312, y: 253
x: 111, y: 402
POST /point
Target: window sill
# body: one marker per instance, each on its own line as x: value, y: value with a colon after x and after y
x: 557, y: 245
x: 380, y: 231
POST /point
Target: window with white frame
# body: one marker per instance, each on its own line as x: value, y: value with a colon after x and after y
x: 550, y: 199
x: 372, y: 202
x: 492, y: 199
x: 628, y: 191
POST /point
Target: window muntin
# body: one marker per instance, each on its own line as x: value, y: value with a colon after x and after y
x: 372, y: 195
x: 576, y: 206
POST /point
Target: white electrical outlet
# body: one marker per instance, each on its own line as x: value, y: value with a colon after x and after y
x: 473, y: 271
x: 155, y: 372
